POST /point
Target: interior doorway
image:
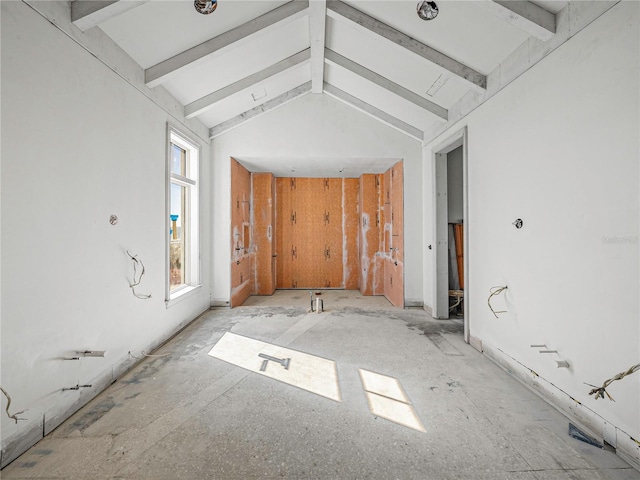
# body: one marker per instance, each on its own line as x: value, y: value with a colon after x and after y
x: 451, y: 236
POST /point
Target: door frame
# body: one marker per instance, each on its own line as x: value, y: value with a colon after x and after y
x: 440, y: 272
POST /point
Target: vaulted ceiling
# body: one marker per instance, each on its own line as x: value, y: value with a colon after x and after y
x: 248, y: 57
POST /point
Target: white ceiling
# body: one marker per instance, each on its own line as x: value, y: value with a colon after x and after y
x: 380, y: 54
x: 463, y: 30
x: 159, y: 29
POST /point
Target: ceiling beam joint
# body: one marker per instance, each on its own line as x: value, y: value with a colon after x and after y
x: 89, y: 13
x: 317, y: 31
x: 526, y: 16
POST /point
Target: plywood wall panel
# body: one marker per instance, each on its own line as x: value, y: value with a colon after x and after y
x: 241, y: 261
x: 332, y: 224
x: 350, y: 241
x: 397, y: 207
x: 240, y: 201
x: 394, y: 267
x: 386, y: 212
x: 393, y: 283
x: 342, y: 233
x: 300, y: 221
x: 369, y: 235
x: 240, y: 280
x: 377, y: 276
x: 263, y: 233
x: 284, y: 229
x: 311, y: 235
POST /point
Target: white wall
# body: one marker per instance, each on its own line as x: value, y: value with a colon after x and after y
x: 316, y: 126
x: 559, y: 148
x: 79, y: 143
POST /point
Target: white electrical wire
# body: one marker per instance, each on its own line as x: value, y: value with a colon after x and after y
x: 134, y: 283
x: 599, y: 392
x: 495, y: 291
x: 13, y: 417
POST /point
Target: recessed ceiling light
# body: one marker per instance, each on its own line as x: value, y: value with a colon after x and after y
x: 205, y: 7
x: 427, y: 10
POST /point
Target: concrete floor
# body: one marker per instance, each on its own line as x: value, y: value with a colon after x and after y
x: 188, y: 415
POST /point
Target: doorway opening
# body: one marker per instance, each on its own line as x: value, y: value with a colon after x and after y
x: 451, y: 237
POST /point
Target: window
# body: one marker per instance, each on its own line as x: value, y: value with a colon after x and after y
x: 182, y: 214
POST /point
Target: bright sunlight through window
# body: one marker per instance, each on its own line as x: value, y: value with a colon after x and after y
x: 182, y: 214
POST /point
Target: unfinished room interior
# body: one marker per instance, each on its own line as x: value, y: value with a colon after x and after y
x: 320, y: 239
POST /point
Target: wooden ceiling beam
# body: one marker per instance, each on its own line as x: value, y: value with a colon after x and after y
x: 240, y: 35
x: 89, y: 13
x: 260, y: 109
x: 399, y: 90
x: 476, y: 80
x: 374, y: 112
x: 203, y: 104
x: 527, y: 16
x: 317, y: 31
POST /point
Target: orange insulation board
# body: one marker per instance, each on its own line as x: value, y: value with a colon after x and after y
x: 263, y: 232
x: 350, y: 194
x: 241, y: 261
x: 316, y: 233
x: 369, y: 235
x: 459, y: 238
x: 394, y: 223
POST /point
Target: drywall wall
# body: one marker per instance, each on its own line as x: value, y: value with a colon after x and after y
x: 559, y: 149
x: 316, y: 126
x: 79, y: 144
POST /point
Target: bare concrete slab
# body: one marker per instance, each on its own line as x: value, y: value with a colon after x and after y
x: 188, y: 415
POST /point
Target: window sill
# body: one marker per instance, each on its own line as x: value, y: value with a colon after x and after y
x: 181, y: 294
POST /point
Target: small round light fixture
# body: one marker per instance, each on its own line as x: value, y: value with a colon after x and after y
x: 205, y: 7
x: 427, y: 10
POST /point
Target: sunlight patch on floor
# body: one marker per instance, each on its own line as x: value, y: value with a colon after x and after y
x: 387, y: 399
x: 308, y: 372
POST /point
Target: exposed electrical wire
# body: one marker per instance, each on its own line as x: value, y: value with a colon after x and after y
x: 599, y: 392
x: 493, y: 292
x: 134, y: 283
x: 13, y: 417
x: 145, y: 354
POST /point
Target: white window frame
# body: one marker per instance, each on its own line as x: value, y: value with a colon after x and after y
x: 191, y: 222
